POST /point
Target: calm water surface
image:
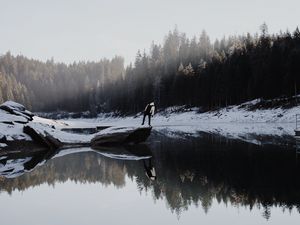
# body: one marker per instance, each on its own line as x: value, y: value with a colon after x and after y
x: 188, y: 180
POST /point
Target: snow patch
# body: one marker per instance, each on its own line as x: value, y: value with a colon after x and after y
x: 3, y: 145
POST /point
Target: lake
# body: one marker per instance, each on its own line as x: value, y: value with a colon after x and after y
x: 183, y: 179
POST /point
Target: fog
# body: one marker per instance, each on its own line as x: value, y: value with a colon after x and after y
x: 90, y: 30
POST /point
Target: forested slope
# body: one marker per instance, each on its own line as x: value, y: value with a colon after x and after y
x: 181, y: 71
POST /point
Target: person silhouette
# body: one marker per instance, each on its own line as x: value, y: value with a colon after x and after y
x: 149, y: 111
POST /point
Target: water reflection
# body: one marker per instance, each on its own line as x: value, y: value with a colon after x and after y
x: 183, y: 172
x: 127, y: 152
x: 16, y: 164
x: 149, y: 169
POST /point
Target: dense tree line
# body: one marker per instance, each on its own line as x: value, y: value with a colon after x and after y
x: 197, y: 72
x: 53, y: 86
x: 181, y: 71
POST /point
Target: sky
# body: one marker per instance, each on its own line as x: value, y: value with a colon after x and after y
x: 88, y: 30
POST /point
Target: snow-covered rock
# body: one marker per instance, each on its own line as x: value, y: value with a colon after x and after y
x: 64, y: 137
x: 16, y: 109
x: 120, y: 135
x: 13, y: 116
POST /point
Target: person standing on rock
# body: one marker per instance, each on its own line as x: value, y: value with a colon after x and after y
x: 149, y: 111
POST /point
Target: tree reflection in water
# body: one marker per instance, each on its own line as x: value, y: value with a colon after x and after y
x: 189, y: 171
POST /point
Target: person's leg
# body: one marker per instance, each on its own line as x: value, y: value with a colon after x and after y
x: 149, y: 120
x: 144, y: 119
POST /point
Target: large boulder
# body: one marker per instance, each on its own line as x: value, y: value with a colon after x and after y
x: 12, y: 118
x: 121, y: 135
x: 17, y: 110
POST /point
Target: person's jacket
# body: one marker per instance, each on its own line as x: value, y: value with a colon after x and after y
x: 150, y: 108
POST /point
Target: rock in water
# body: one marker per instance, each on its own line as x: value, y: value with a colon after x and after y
x: 12, y: 118
x: 121, y: 135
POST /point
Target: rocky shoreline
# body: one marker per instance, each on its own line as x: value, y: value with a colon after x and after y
x: 18, y: 125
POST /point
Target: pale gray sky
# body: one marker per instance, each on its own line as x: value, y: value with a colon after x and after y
x: 69, y: 30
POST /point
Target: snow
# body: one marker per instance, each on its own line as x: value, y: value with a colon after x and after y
x: 233, y: 114
x: 233, y: 122
x: 17, y: 109
x: 63, y: 136
x: 7, y: 117
x: 116, y: 129
x: 72, y: 138
x: 59, y: 124
x: 2, y: 145
x: 10, y: 130
x: 13, y: 105
x: 13, y: 132
x: 13, y: 116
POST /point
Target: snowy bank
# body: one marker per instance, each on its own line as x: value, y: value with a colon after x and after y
x: 237, y: 122
x: 246, y: 122
x: 18, y: 124
x: 13, y: 118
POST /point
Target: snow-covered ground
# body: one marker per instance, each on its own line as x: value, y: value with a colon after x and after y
x: 236, y: 122
x: 232, y: 122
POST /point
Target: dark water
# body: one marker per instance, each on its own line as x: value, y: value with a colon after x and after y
x: 207, y: 180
